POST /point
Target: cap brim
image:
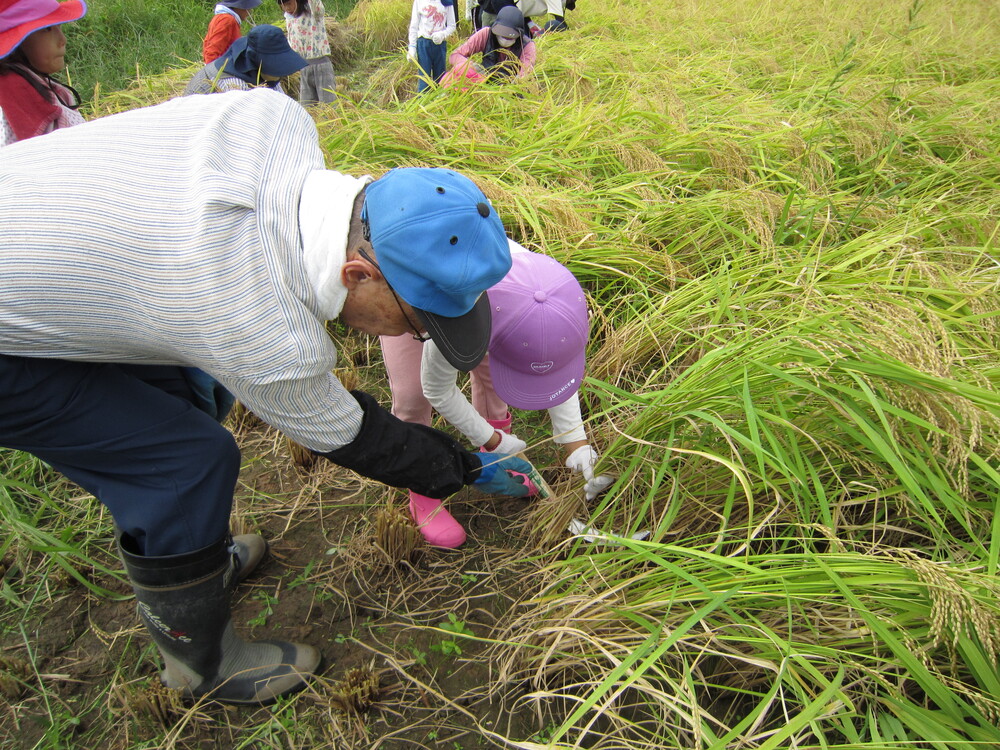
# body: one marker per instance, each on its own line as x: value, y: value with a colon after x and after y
x: 463, y: 340
x: 284, y: 64
x: 71, y: 10
x: 534, y: 392
x: 505, y: 31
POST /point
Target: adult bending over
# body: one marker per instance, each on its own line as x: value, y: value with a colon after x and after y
x: 226, y: 247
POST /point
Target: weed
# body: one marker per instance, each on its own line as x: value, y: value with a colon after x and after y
x: 268, y: 600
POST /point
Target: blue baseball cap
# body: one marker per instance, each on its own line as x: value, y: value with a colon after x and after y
x: 440, y: 245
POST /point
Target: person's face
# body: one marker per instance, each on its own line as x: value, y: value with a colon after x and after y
x: 504, y: 41
x: 45, y: 50
x: 289, y: 6
x: 371, y: 307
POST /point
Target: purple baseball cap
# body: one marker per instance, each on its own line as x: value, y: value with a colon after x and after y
x: 540, y: 329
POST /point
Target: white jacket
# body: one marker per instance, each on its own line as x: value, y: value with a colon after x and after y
x: 429, y: 17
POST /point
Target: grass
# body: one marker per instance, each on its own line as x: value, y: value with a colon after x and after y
x: 119, y: 42
x: 785, y: 216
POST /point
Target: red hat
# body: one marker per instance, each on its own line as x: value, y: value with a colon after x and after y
x: 19, y: 18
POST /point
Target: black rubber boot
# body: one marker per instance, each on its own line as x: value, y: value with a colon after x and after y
x: 184, y: 603
x: 249, y: 550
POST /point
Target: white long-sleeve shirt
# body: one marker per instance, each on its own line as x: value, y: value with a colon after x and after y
x: 438, y: 378
x: 171, y: 235
x: 428, y: 17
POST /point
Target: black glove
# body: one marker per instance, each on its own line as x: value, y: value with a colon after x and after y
x: 570, y: 5
x: 402, y: 454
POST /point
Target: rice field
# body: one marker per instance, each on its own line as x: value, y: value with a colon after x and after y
x: 786, y: 215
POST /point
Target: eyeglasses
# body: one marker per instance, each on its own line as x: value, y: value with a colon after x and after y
x: 417, y: 335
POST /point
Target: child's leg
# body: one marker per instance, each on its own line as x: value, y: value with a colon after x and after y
x: 325, y: 82
x: 439, y: 61
x: 307, y: 88
x: 425, y: 61
x: 484, y: 398
x: 402, y: 364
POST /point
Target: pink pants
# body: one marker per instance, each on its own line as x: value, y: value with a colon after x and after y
x: 402, y: 363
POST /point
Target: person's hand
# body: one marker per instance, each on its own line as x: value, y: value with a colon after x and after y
x: 504, y: 475
x: 582, y: 460
x: 411, y: 54
x: 480, y: 70
x: 438, y: 36
x: 509, y: 444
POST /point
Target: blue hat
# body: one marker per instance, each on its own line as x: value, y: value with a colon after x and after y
x: 241, y: 4
x: 440, y: 245
x: 263, y: 51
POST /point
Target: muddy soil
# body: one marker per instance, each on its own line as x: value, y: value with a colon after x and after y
x: 408, y: 658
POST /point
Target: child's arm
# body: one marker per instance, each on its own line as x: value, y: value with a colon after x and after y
x: 411, y: 50
x: 568, y: 431
x: 567, y: 424
x: 438, y: 379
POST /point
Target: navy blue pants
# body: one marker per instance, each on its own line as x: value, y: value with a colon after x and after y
x: 130, y: 435
x: 433, y: 61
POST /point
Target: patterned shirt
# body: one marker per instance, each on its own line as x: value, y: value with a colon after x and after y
x: 307, y: 33
x: 170, y: 235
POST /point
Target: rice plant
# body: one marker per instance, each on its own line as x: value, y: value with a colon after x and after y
x: 785, y: 216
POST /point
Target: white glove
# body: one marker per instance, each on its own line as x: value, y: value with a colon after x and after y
x: 509, y: 445
x: 411, y: 54
x: 438, y: 36
x: 583, y: 460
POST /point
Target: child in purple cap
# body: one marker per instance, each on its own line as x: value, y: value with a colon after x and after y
x: 535, y: 361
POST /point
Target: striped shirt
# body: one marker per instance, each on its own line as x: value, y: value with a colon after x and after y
x: 170, y: 235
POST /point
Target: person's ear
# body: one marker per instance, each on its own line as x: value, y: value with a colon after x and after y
x: 357, y: 271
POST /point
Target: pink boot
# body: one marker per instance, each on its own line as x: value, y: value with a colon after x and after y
x: 501, y: 424
x: 434, y: 521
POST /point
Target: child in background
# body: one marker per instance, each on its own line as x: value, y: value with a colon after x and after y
x: 225, y: 27
x: 431, y: 22
x: 558, y: 10
x: 488, y: 10
x: 306, y: 22
x: 32, y: 50
x: 261, y: 58
x: 535, y: 361
x: 473, y: 13
x: 507, y: 49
